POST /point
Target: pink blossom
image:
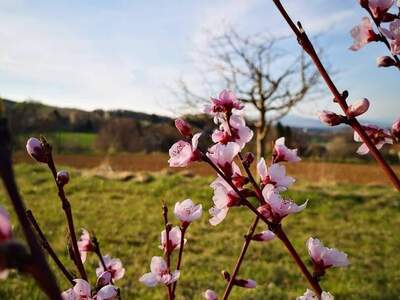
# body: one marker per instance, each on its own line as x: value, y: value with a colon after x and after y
x: 85, y: 244
x: 103, y: 279
x: 35, y: 149
x: 232, y: 172
x: 277, y: 208
x: 275, y: 175
x: 236, y: 131
x: 159, y: 273
x: 183, y: 127
x: 80, y: 291
x: 396, y: 129
x: 210, y: 295
x: 5, y: 226
x: 108, y: 292
x: 225, y: 103
x: 310, y: 295
x: 330, y: 118
x: 182, y: 153
x: 264, y: 236
x: 380, y: 7
x: 223, y: 155
x: 224, y: 198
x: 282, y: 153
x: 187, y: 212
x: 324, y: 257
x: 363, y: 34
x: 378, y: 136
x: 393, y: 34
x: 113, y: 265
x: 175, y: 236
x: 246, y: 283
x: 358, y: 108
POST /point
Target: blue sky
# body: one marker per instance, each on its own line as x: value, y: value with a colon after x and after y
x: 127, y: 54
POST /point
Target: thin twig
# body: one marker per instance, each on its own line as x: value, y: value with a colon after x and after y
x: 167, y: 251
x: 46, y: 245
x: 180, y: 255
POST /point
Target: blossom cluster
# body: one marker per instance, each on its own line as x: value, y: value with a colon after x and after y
x: 388, y: 29
x: 235, y: 184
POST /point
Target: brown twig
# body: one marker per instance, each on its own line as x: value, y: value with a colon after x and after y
x: 248, y: 239
x: 41, y: 270
x: 46, y: 245
x: 180, y: 255
x: 306, y: 44
x: 66, y: 206
x: 167, y: 251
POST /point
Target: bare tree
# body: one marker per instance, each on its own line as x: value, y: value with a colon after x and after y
x: 261, y: 72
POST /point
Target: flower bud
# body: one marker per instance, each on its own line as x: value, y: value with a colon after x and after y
x: 183, y: 127
x: 248, y: 159
x: 210, y: 295
x: 363, y: 3
x: 246, y: 283
x: 396, y: 129
x: 358, y: 108
x: 226, y: 275
x: 330, y: 118
x: 35, y: 149
x: 385, y: 61
x: 264, y: 236
x: 62, y: 178
x: 104, y: 279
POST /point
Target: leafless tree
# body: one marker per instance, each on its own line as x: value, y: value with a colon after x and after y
x: 262, y: 73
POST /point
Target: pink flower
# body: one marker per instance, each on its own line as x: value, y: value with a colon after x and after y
x: 224, y: 198
x: 35, y: 149
x: 236, y: 131
x: 85, y: 244
x: 108, y: 292
x: 232, y: 172
x: 225, y: 103
x: 396, y: 129
x: 103, y: 279
x: 183, y: 127
x: 380, y: 7
x: 330, y: 118
x: 210, y: 295
x: 5, y: 226
x: 113, y: 265
x: 187, y: 212
x: 159, y: 273
x: 81, y: 291
x: 277, y: 208
x: 310, y: 295
x: 175, y: 236
x: 274, y: 175
x: 182, y: 153
x: 323, y: 257
x: 363, y: 34
x: 246, y: 283
x: 358, y: 108
x: 393, y: 34
x: 223, y: 155
x: 264, y: 236
x: 282, y: 153
x: 378, y: 136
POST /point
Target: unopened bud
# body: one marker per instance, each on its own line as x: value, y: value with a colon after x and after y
x: 103, y: 279
x: 226, y: 275
x: 210, y: 295
x: 35, y: 149
x: 358, y: 108
x: 183, y: 127
x: 396, y: 129
x: 248, y: 159
x: 385, y: 61
x: 246, y: 283
x: 62, y: 178
x: 388, y: 17
x: 264, y: 236
x: 330, y: 118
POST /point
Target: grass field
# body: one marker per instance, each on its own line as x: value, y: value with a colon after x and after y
x: 126, y: 216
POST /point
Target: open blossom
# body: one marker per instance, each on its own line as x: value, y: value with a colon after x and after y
x: 236, y: 131
x: 224, y: 198
x: 310, y: 295
x: 380, y: 7
x: 323, y: 257
x: 396, y: 129
x: 223, y: 155
x: 108, y: 292
x: 103, y: 279
x: 210, y: 295
x: 363, y: 34
x: 175, y: 236
x: 358, y: 108
x: 187, y: 212
x: 159, y: 273
x: 283, y: 153
x: 234, y: 173
x: 80, y: 291
x: 393, y: 34
x: 264, y: 236
x: 378, y: 136
x: 277, y: 208
x: 182, y: 153
x: 113, y: 265
x: 225, y: 103
x: 35, y: 149
x: 5, y: 226
x: 85, y: 244
x: 275, y: 175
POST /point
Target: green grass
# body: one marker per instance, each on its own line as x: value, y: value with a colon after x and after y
x: 126, y: 216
